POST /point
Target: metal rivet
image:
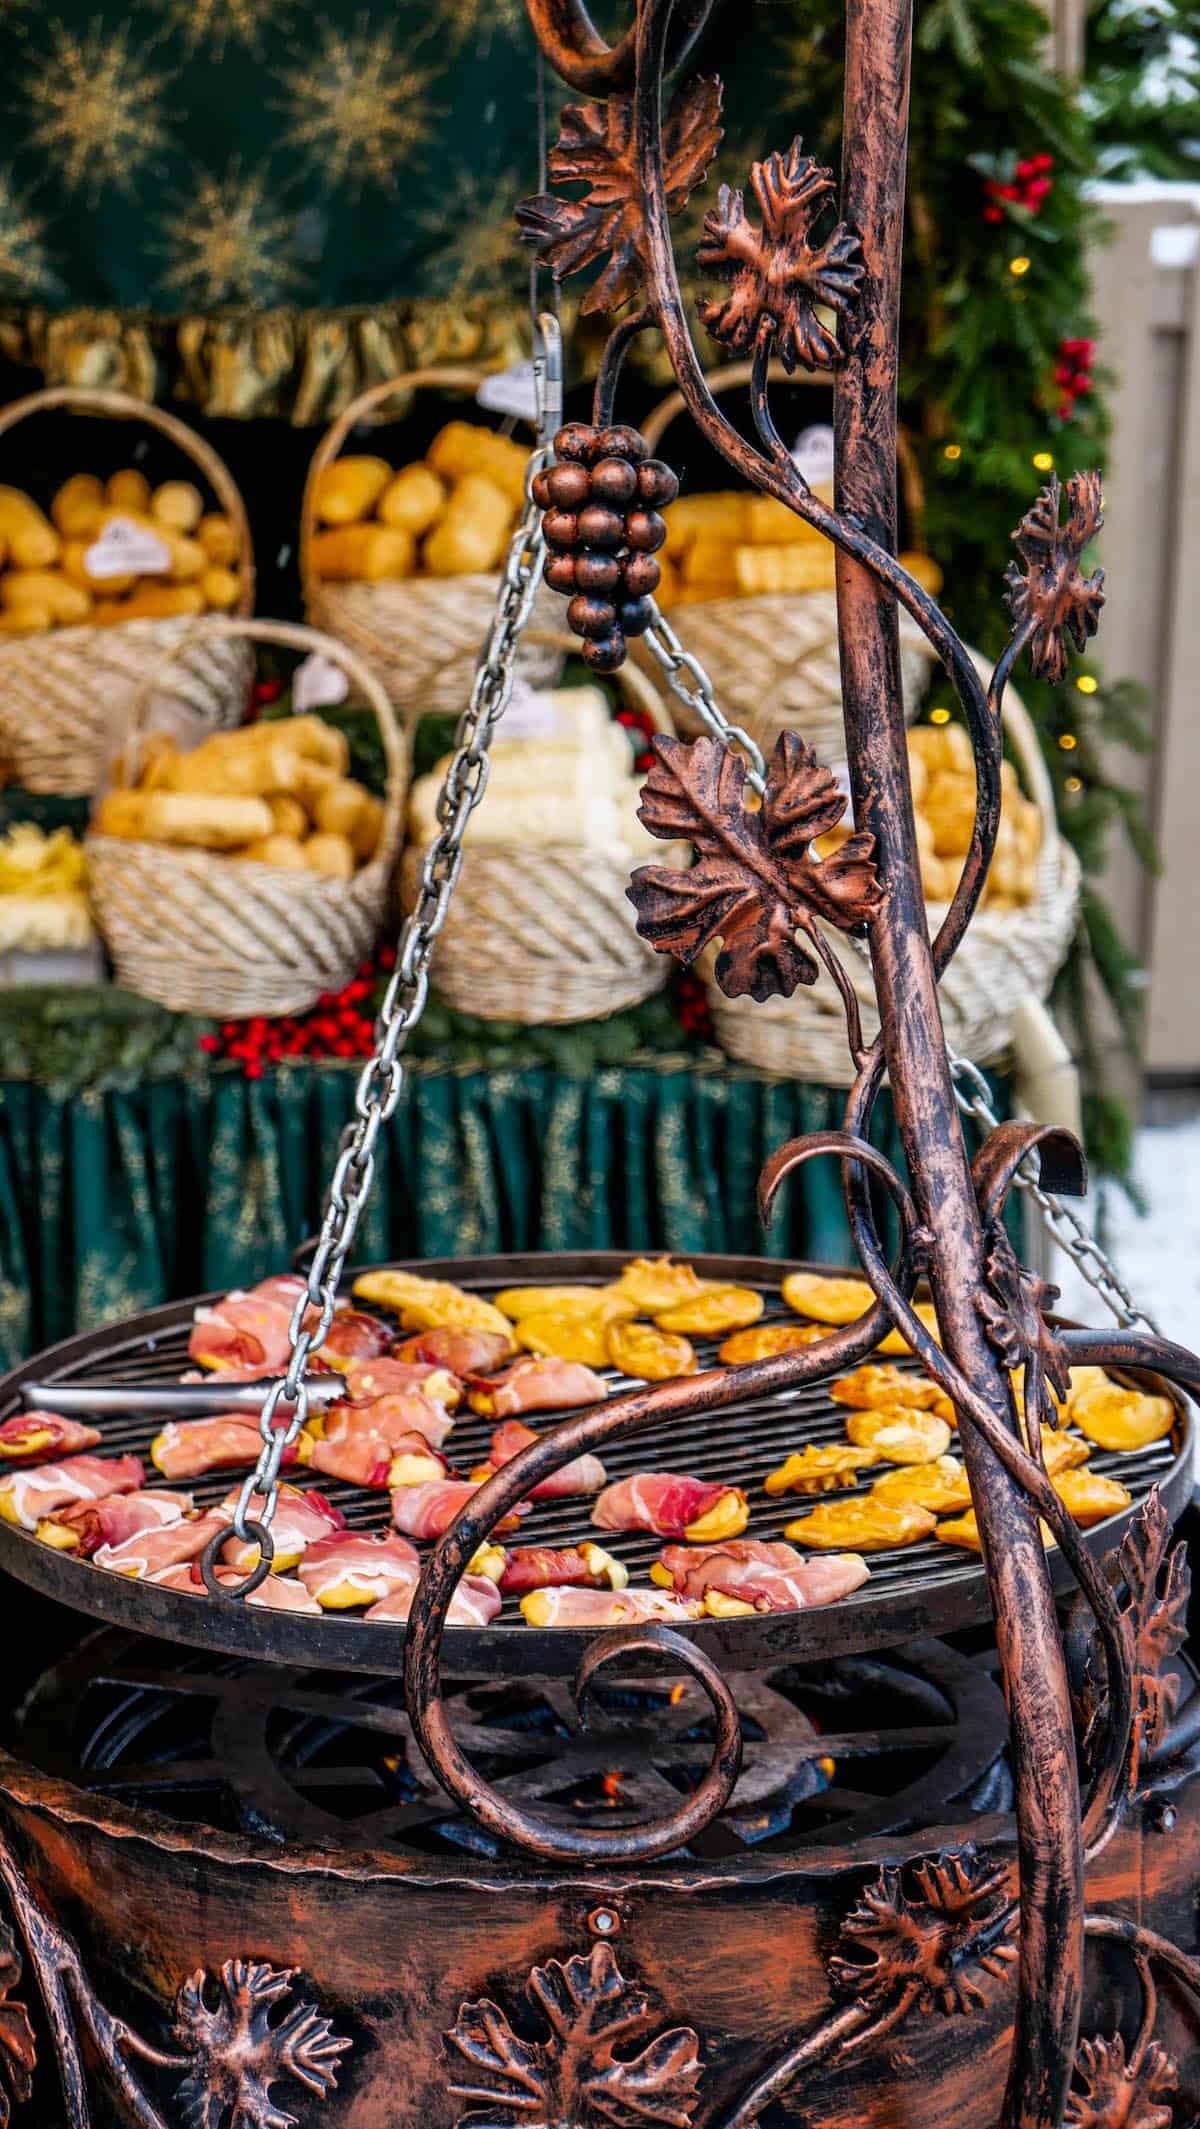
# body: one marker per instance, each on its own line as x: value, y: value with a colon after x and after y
x: 1166, y: 1818
x: 603, y: 1922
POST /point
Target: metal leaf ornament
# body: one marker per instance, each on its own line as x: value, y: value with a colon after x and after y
x: 1118, y: 2094
x: 575, y: 2078
x: 18, y: 2052
x: 925, y: 1946
x: 237, y: 2053
x: 1012, y: 1307
x: 777, y: 275
x: 596, y: 147
x: 1053, y: 594
x: 756, y: 881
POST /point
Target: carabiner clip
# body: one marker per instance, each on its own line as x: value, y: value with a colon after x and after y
x: 548, y: 376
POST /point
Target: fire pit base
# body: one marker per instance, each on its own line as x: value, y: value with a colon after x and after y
x: 247, y: 1897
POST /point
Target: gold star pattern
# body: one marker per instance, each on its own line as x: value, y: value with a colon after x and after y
x: 24, y: 270
x: 95, y: 107
x: 215, y: 23
x: 469, y: 21
x: 357, y: 105
x: 225, y: 245
x: 476, y: 253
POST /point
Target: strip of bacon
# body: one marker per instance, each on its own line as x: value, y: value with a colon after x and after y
x: 672, y: 1506
x: 360, y: 1443
x: 763, y: 1575
x: 35, y: 1437
x: 584, y: 1474
x: 301, y: 1517
x: 368, y: 1379
x: 245, y: 1336
x: 353, y: 1339
x: 358, y: 1567
x: 427, y: 1511
x: 605, y: 1607
x: 187, y: 1448
x: 277, y: 1594
x: 537, y: 1384
x: 545, y: 1567
x: 463, y: 1352
x: 171, y: 1545
x: 27, y: 1496
x: 87, y: 1525
x: 475, y: 1603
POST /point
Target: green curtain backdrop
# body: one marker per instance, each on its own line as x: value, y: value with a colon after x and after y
x: 116, y: 1197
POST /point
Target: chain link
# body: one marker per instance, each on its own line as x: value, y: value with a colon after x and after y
x: 688, y: 679
x: 382, y: 1079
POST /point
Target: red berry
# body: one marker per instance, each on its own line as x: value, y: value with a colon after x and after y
x: 560, y: 571
x: 642, y: 576
x: 1008, y: 192
x: 577, y: 441
x: 993, y: 214
x: 569, y: 486
x: 1082, y: 382
x: 254, y: 1071
x: 210, y: 1043
x: 645, y: 530
x: 599, y: 527
x: 1026, y: 168
x: 605, y: 653
x: 1043, y: 162
x: 597, y: 572
x: 620, y: 442
x: 591, y: 617
x: 614, y: 481
x: 1063, y: 374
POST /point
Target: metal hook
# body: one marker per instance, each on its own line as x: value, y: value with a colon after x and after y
x: 548, y: 375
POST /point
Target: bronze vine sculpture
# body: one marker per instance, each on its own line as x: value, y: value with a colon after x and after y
x: 833, y: 299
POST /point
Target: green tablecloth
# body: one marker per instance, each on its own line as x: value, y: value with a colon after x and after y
x: 113, y: 1198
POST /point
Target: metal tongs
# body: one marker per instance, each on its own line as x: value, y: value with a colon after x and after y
x: 186, y: 1400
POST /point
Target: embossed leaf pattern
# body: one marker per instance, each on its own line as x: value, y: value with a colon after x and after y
x: 927, y: 1940
x: 1013, y: 1306
x: 1053, y: 593
x: 595, y: 147
x: 575, y: 2078
x: 240, y: 2047
x: 755, y: 880
x: 1114, y: 2093
x: 777, y: 274
x: 1157, y: 1579
x: 18, y: 2052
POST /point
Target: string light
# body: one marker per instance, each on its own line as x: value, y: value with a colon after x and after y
x: 1044, y: 461
x: 1068, y: 742
x: 1019, y: 266
x: 952, y: 451
x: 1073, y: 784
x: 1087, y: 683
x: 939, y: 716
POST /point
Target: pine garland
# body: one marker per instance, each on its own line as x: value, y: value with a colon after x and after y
x: 997, y: 391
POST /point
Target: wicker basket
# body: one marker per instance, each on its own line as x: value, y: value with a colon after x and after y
x: 420, y: 634
x: 544, y: 936
x: 1004, y: 958
x: 773, y: 659
x: 205, y: 933
x: 65, y: 693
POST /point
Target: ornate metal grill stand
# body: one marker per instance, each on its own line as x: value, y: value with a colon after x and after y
x: 575, y: 2040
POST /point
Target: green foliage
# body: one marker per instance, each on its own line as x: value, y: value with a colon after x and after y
x: 1142, y: 87
x: 984, y: 417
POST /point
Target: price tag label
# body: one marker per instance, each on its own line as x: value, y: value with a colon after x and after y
x: 510, y: 391
x: 318, y: 683
x: 812, y: 454
x: 530, y: 715
x: 125, y: 549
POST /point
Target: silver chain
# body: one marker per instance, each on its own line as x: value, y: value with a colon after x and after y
x: 382, y: 1079
x: 687, y: 677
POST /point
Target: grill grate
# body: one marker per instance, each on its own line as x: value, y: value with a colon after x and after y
x: 923, y: 1587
